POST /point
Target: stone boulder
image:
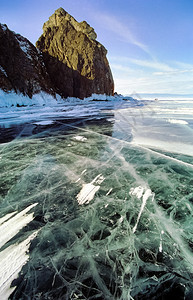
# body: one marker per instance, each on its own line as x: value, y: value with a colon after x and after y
x: 75, y: 61
x: 22, y: 69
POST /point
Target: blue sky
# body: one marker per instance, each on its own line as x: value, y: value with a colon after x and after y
x: 149, y: 42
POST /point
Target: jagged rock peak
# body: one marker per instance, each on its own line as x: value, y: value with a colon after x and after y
x: 75, y: 61
x: 60, y: 15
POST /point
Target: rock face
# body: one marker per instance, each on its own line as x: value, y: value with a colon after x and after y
x: 75, y: 61
x: 69, y: 61
x: 21, y: 67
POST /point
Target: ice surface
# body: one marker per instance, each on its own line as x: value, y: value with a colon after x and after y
x: 149, y: 126
x: 131, y: 237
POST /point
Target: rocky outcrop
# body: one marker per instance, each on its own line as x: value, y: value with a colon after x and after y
x: 69, y: 61
x: 75, y: 61
x: 21, y: 66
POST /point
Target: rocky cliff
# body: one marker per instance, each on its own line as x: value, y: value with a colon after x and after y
x: 75, y: 61
x: 21, y: 66
x: 69, y: 61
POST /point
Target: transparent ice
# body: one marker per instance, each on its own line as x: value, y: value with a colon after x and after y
x: 113, y: 217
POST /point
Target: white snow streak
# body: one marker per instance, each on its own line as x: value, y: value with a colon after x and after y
x: 43, y: 123
x: 89, y: 190
x: 161, y: 242
x: 10, y: 228
x: 138, y: 192
x: 174, y: 121
x: 80, y: 138
x: 12, y: 260
x: 15, y: 256
x: 7, y: 217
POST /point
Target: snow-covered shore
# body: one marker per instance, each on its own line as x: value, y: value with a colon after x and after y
x: 18, y: 109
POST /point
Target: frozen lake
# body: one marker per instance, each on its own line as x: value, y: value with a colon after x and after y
x: 96, y: 201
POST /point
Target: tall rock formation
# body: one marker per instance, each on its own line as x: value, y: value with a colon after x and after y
x: 69, y: 61
x: 75, y: 61
x: 21, y: 67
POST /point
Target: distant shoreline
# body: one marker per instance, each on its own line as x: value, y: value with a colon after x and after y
x: 157, y: 96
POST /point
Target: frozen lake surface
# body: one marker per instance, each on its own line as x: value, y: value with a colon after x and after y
x: 96, y: 201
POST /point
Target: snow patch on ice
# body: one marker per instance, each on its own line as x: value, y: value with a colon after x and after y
x: 161, y: 242
x: 87, y: 193
x: 174, y: 121
x: 43, y: 123
x: 7, y: 217
x: 80, y: 138
x: 11, y: 227
x: 15, y: 256
x: 140, y: 192
x: 89, y: 190
x: 12, y: 259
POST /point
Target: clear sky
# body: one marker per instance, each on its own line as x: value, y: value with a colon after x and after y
x: 149, y: 42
